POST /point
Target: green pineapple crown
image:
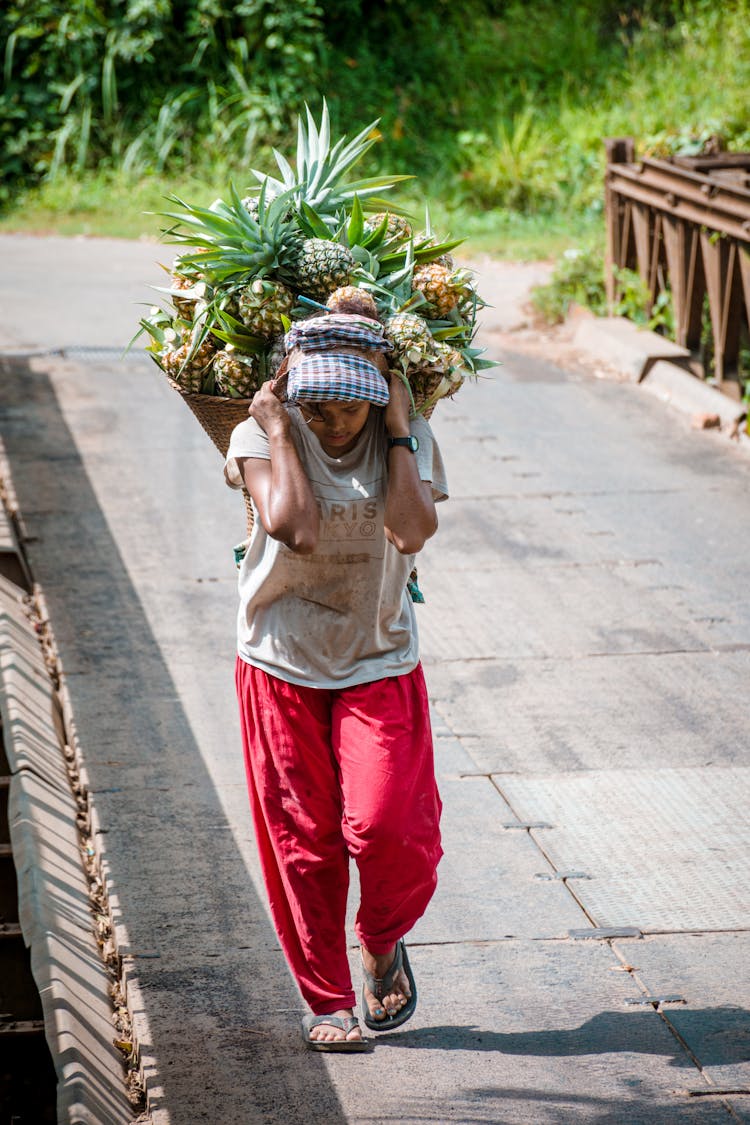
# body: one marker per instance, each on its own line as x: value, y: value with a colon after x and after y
x: 228, y: 243
x: 244, y: 262
x: 319, y: 178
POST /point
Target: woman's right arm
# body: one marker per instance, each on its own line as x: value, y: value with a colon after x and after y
x: 280, y: 487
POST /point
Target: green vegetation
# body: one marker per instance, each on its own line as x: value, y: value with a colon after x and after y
x: 578, y: 278
x: 498, y: 106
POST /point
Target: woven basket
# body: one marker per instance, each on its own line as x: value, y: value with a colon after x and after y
x: 421, y: 397
x: 218, y: 416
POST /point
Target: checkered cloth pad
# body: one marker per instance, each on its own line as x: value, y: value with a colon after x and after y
x: 321, y: 333
x: 330, y: 377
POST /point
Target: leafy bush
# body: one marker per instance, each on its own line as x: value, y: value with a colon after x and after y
x: 511, y: 168
x: 144, y: 81
x: 578, y: 278
x: 498, y: 106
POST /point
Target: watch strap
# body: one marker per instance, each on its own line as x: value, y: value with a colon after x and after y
x: 409, y: 442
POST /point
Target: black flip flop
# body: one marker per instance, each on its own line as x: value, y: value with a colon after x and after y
x: 346, y: 1023
x: 381, y: 986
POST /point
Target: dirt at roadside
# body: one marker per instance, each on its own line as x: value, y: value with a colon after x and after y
x: 532, y: 335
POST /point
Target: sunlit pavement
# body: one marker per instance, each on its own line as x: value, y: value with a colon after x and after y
x: 586, y: 639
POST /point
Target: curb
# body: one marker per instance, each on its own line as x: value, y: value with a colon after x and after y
x: 661, y: 368
x: 631, y: 349
x: 53, y: 897
x: 690, y: 394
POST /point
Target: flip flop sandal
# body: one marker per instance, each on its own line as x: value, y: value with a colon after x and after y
x: 381, y: 986
x: 346, y: 1023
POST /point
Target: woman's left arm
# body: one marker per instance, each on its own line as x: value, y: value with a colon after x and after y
x: 410, y: 516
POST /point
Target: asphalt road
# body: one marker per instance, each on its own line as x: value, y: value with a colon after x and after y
x: 586, y: 639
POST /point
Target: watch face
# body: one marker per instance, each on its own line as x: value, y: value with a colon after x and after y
x: 410, y: 442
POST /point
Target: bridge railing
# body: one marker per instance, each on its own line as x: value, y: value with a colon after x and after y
x: 684, y: 224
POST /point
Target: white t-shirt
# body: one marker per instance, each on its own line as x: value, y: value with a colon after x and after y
x: 341, y: 615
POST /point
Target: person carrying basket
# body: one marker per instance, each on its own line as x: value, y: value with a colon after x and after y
x: 333, y: 706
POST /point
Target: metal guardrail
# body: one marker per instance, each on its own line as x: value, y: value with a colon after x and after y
x: 684, y: 224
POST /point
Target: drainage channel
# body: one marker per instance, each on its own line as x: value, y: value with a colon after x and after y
x: 61, y: 996
x: 28, y: 1083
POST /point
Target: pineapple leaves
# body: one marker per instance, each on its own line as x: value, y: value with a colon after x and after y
x: 319, y: 176
x: 247, y: 268
x: 373, y: 183
x: 199, y: 217
x: 378, y: 203
x: 367, y: 262
x: 455, y: 332
x: 302, y: 143
x: 356, y: 227
x: 287, y: 172
x: 243, y: 341
x: 313, y: 222
x: 324, y: 134
x: 429, y: 252
x: 403, y: 377
x: 242, y: 217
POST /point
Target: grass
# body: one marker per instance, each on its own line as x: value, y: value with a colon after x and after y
x: 103, y: 205
x: 522, y: 182
x: 524, y: 238
x: 106, y: 205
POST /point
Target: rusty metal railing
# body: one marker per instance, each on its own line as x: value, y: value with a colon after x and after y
x: 684, y: 224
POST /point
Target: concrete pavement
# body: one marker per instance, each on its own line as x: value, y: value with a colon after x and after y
x: 586, y: 639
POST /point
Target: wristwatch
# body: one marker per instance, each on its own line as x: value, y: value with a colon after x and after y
x: 409, y: 442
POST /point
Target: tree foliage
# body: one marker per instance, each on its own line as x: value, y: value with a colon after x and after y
x: 144, y: 86
x: 88, y: 81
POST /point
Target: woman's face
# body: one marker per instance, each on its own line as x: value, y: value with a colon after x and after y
x: 336, y: 425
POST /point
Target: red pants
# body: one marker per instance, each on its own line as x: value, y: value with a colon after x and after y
x: 334, y: 774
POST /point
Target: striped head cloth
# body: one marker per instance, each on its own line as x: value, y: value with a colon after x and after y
x: 325, y: 333
x: 332, y: 377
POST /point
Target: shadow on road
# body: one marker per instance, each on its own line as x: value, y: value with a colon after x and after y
x: 717, y: 1036
x: 213, y: 982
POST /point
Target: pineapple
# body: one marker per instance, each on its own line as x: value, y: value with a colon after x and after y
x: 351, y: 299
x: 234, y: 374
x: 251, y: 205
x: 413, y: 343
x: 397, y: 227
x: 450, y: 363
x: 261, y: 306
x: 433, y: 368
x: 185, y: 280
x: 319, y: 266
x: 184, y: 306
x: 446, y: 260
x: 445, y: 377
x: 441, y: 376
x: 243, y: 263
x: 440, y: 287
x: 189, y: 371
